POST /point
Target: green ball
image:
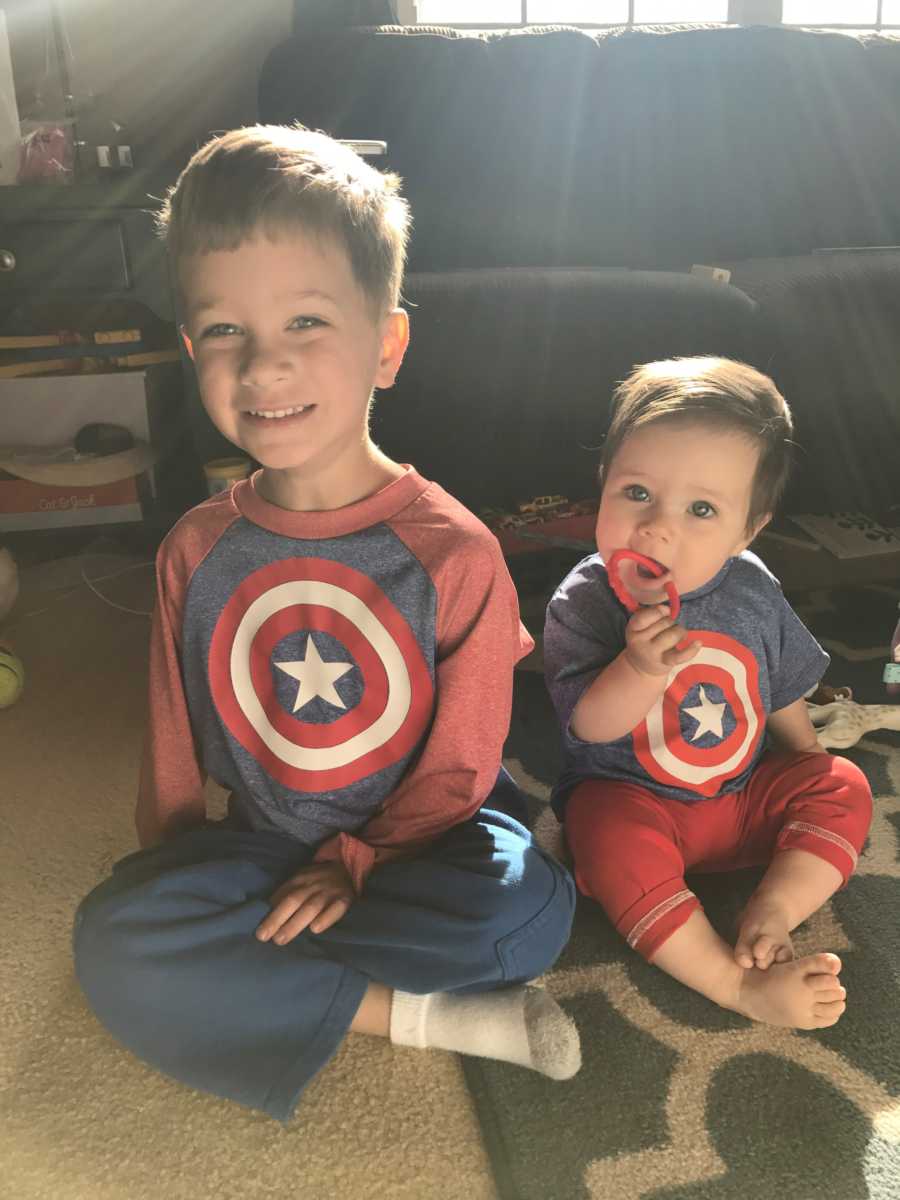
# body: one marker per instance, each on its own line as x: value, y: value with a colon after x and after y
x: 12, y: 678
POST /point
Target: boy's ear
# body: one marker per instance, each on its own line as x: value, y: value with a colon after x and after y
x: 188, y: 344
x: 394, y: 340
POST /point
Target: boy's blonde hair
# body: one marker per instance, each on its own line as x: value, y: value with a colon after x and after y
x: 273, y: 179
x: 716, y: 392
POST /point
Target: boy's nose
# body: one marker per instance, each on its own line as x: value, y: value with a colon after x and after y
x: 263, y: 367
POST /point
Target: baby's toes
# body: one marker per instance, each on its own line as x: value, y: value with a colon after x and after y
x: 743, y: 952
x: 826, y: 1014
x: 765, y: 949
x: 825, y: 963
x: 827, y: 988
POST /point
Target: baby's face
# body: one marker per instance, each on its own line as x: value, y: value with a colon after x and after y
x: 679, y: 494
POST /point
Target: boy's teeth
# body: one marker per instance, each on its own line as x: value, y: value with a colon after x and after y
x: 277, y: 412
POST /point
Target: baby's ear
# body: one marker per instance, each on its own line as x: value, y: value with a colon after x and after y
x: 756, y: 529
x: 761, y: 524
x: 188, y: 344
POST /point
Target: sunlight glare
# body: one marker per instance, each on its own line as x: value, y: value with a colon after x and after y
x: 823, y: 12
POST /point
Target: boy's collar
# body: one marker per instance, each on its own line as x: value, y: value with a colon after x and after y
x: 329, y: 523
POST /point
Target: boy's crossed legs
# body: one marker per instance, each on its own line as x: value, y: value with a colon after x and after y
x: 435, y: 952
x: 807, y: 815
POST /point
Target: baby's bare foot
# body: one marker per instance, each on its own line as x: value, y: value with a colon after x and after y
x: 803, y: 994
x: 764, y: 936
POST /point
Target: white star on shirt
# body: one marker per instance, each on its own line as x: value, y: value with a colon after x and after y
x: 707, y: 715
x: 316, y: 678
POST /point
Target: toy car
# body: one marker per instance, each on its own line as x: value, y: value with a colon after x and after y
x: 543, y: 506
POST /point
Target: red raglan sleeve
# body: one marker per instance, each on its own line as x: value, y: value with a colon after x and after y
x: 170, y: 792
x: 480, y: 638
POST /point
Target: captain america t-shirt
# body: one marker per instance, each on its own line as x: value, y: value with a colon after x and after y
x: 705, y: 734
x: 346, y: 675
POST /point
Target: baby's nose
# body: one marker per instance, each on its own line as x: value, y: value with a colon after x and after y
x: 656, y: 525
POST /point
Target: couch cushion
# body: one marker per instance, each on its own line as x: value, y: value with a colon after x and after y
x: 638, y: 148
x: 832, y: 323
x: 505, y: 390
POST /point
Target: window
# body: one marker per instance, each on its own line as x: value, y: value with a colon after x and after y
x: 858, y: 13
x: 850, y: 14
x: 568, y: 12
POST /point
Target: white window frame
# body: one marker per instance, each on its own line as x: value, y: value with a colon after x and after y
x: 740, y: 12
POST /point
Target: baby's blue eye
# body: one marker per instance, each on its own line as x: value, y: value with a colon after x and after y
x: 305, y: 323
x: 702, y: 508
x: 635, y: 491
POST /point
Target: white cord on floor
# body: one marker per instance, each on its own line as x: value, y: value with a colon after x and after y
x: 137, y: 612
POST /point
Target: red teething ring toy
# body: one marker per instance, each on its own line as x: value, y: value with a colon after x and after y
x: 618, y: 586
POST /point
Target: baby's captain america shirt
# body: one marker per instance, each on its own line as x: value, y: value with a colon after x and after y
x: 704, y: 736
x: 346, y: 675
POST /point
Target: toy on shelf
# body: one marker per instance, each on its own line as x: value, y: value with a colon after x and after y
x: 891, y: 674
x: 543, y: 523
x: 12, y: 672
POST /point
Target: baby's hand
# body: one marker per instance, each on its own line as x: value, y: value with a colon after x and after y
x: 651, y: 641
x: 315, y: 897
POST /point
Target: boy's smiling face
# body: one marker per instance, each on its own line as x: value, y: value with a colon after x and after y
x: 288, y: 349
x: 678, y: 493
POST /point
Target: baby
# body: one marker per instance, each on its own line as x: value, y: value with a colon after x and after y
x: 664, y: 715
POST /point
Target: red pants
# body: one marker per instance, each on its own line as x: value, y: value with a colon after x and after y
x: 631, y: 848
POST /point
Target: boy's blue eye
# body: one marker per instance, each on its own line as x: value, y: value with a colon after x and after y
x: 222, y: 329
x: 702, y: 508
x: 635, y: 491
x: 305, y: 323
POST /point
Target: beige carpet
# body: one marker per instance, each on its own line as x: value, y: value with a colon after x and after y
x: 80, y: 1119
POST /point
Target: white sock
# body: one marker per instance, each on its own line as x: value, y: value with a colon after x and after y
x: 522, y: 1025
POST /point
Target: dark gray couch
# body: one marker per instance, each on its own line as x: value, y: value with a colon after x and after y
x: 563, y: 184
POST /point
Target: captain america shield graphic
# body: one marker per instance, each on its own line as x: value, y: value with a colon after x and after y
x: 706, y: 726
x: 317, y: 675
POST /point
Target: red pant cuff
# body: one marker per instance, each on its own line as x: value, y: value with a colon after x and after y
x: 656, y: 916
x: 800, y: 835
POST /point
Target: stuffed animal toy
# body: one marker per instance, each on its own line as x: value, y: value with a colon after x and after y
x: 841, y: 723
x: 12, y: 673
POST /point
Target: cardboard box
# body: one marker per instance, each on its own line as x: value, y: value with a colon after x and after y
x: 27, y: 505
x: 48, y: 411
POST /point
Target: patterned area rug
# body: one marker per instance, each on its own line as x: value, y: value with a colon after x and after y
x: 678, y: 1099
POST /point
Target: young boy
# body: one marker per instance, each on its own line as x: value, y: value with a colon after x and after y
x: 664, y: 721
x: 334, y: 643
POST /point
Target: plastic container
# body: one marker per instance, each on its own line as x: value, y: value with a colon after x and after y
x: 221, y: 473
x: 892, y: 668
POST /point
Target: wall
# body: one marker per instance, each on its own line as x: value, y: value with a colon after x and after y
x: 171, y: 71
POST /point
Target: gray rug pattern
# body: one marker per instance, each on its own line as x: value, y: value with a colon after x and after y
x: 678, y: 1099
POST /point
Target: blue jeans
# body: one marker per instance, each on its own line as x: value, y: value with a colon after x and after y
x: 166, y: 954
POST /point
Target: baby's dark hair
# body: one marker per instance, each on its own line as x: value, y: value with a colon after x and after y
x: 273, y: 179
x: 714, y: 392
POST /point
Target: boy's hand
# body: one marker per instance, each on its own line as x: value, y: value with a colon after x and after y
x: 651, y: 641
x: 316, y: 897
